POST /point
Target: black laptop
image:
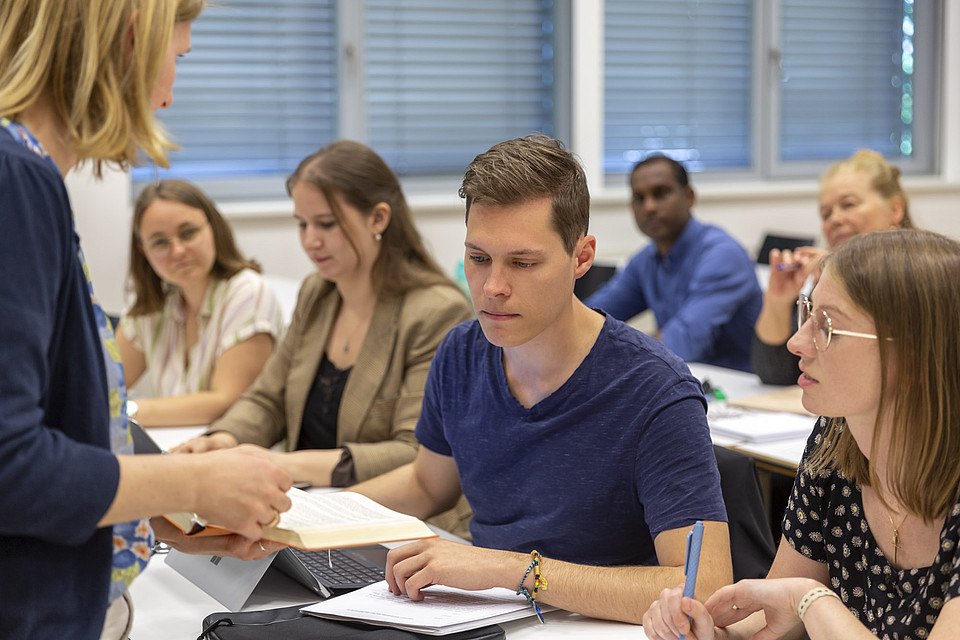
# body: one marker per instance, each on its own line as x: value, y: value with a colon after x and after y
x: 334, y: 572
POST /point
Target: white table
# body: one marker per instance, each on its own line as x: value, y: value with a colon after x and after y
x: 169, y: 437
x: 168, y: 606
x: 778, y: 456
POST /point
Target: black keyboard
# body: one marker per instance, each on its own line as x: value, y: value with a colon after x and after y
x: 347, y: 572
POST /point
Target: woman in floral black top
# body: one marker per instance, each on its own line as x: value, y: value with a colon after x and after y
x: 871, y: 531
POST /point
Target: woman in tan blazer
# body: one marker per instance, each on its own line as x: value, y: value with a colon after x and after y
x: 345, y: 385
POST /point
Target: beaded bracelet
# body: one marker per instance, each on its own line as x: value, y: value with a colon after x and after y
x: 813, y: 594
x: 539, y: 583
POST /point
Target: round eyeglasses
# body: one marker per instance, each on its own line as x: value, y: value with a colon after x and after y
x: 823, y: 330
x: 161, y: 246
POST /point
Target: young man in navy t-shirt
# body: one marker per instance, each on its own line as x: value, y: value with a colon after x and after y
x: 569, y: 432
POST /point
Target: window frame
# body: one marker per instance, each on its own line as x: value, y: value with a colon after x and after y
x: 765, y: 162
x: 579, y: 115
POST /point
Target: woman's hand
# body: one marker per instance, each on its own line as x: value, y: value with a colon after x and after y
x: 231, y: 546
x: 241, y: 489
x: 212, y: 442
x: 672, y: 615
x: 777, y: 598
x: 789, y: 270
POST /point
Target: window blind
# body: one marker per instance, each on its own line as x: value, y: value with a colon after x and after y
x: 444, y: 80
x: 256, y: 93
x: 677, y: 80
x: 847, y: 78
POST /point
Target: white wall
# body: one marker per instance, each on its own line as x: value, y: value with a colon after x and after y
x: 747, y: 210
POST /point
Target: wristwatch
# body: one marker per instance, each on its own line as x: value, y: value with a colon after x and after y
x: 132, y: 408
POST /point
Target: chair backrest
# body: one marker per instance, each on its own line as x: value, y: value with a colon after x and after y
x: 751, y: 541
x: 593, y: 279
x: 780, y: 242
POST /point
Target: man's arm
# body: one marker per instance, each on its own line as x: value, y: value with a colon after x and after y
x: 721, y: 282
x: 622, y: 295
x: 614, y: 593
x: 423, y: 488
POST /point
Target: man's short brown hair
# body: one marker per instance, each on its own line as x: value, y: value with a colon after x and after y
x: 525, y: 169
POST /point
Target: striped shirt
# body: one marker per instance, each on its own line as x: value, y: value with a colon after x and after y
x: 233, y: 310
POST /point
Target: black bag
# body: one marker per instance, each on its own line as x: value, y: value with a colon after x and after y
x: 289, y: 624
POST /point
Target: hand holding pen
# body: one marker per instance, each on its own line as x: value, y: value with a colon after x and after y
x: 789, y: 266
x: 788, y: 271
x: 691, y: 562
x: 802, y: 258
x: 676, y: 613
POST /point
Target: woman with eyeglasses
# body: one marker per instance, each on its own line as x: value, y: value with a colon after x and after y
x: 857, y: 195
x: 871, y: 534
x: 80, y: 81
x: 203, y: 321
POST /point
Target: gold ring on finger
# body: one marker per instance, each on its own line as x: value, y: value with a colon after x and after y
x: 276, y: 519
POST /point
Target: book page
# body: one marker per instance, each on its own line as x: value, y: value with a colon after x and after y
x: 315, y: 511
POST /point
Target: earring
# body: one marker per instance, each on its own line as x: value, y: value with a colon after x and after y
x: 378, y: 237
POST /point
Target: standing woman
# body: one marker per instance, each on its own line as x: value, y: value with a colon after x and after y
x: 345, y: 386
x: 79, y: 81
x: 203, y: 322
x: 857, y: 195
x: 871, y: 535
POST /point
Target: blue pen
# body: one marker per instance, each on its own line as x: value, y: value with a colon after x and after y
x: 692, y: 561
x: 789, y: 266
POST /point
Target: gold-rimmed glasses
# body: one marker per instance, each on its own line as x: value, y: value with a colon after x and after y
x: 186, y: 235
x: 823, y: 330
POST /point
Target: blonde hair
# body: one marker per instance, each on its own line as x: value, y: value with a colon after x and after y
x: 906, y: 280
x: 884, y: 179
x: 76, y: 53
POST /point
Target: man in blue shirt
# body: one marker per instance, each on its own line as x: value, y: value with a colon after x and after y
x: 699, y: 282
x: 568, y: 432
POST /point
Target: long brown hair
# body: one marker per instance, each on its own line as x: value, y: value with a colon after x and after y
x: 354, y: 172
x: 906, y: 280
x: 146, y: 284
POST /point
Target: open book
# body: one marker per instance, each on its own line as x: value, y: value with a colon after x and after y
x: 325, y: 521
x: 443, y: 610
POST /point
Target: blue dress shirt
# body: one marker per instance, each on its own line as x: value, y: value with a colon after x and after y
x: 703, y: 293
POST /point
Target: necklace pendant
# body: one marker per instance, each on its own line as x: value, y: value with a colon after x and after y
x: 346, y: 347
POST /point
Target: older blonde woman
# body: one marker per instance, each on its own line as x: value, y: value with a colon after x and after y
x: 860, y: 194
